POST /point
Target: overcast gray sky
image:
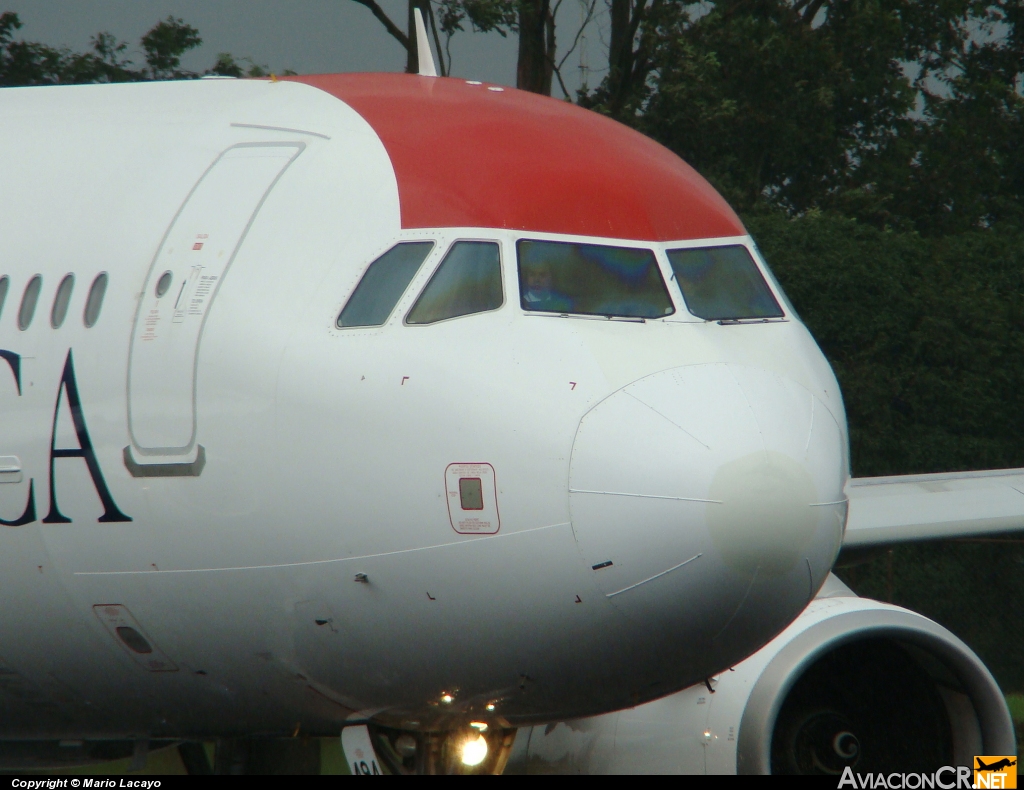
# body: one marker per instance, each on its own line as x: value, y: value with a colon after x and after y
x: 308, y: 36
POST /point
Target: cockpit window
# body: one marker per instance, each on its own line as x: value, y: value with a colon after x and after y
x: 723, y: 283
x: 467, y: 281
x: 383, y: 284
x: 591, y: 279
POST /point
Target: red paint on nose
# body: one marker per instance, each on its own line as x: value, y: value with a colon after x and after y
x: 466, y: 156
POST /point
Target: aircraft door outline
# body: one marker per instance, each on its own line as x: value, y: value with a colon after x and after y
x: 195, y: 254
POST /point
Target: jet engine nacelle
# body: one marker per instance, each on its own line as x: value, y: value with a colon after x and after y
x: 851, y: 682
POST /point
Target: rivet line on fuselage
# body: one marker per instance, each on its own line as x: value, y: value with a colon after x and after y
x: 655, y: 576
x: 647, y: 496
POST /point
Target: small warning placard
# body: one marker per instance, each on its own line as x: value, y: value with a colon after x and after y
x: 472, y: 498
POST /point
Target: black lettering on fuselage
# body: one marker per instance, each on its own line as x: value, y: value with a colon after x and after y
x: 111, y: 512
x: 29, y: 515
x: 14, y: 360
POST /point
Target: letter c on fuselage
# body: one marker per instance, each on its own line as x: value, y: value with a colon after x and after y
x: 29, y: 515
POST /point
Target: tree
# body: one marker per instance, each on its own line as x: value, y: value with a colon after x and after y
x: 165, y: 43
x: 897, y: 112
x: 536, y: 27
x: 777, y: 104
x: 533, y: 21
x: 30, y: 63
x: 33, y: 63
x: 635, y: 25
x: 227, y: 65
x: 407, y: 37
x: 967, y: 169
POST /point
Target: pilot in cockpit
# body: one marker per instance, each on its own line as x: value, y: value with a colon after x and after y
x: 539, y: 292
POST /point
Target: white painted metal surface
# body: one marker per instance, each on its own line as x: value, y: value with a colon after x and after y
x: 919, y: 507
x: 700, y: 730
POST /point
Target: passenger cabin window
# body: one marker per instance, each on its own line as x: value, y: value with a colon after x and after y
x: 723, y: 283
x: 5, y: 284
x: 467, y: 281
x: 61, y: 301
x: 591, y: 279
x: 383, y: 284
x: 28, y: 302
x: 94, y: 302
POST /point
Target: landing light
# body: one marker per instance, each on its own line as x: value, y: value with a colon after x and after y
x: 490, y: 706
x: 447, y: 699
x: 474, y: 751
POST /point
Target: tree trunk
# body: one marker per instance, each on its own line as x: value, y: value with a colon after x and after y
x: 536, y: 46
x: 412, y: 60
x: 620, y: 48
x: 629, y: 57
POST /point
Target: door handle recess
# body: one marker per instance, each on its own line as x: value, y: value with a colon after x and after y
x: 10, y: 469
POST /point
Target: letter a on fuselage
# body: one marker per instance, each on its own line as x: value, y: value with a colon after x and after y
x: 85, y: 451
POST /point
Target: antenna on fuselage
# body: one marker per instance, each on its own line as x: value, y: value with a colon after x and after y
x: 427, y: 67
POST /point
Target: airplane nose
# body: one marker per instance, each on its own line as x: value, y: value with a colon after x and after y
x: 708, y: 502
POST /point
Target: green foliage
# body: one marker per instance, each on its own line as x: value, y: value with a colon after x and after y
x: 764, y: 80
x: 1015, y: 702
x: 33, y: 63
x: 903, y: 114
x: 926, y: 336
x: 165, y: 43
x: 227, y: 65
x: 483, y: 16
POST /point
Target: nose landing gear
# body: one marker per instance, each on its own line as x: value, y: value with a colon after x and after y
x: 476, y: 749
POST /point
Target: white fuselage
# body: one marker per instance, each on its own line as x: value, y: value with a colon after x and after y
x: 325, y: 450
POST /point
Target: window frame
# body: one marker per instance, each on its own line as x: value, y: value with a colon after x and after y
x: 23, y: 325
x: 69, y: 281
x: 727, y: 241
x: 89, y: 297
x: 400, y: 306
x: 5, y: 279
x: 506, y: 239
x: 422, y: 286
x: 656, y: 248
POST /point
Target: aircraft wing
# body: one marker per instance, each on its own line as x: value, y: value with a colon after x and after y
x: 925, y: 507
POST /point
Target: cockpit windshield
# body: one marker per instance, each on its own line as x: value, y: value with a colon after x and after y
x: 723, y: 283
x: 468, y: 281
x: 383, y: 284
x: 591, y: 279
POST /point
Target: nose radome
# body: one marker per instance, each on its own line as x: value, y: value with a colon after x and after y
x: 715, y: 492
x: 762, y: 516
